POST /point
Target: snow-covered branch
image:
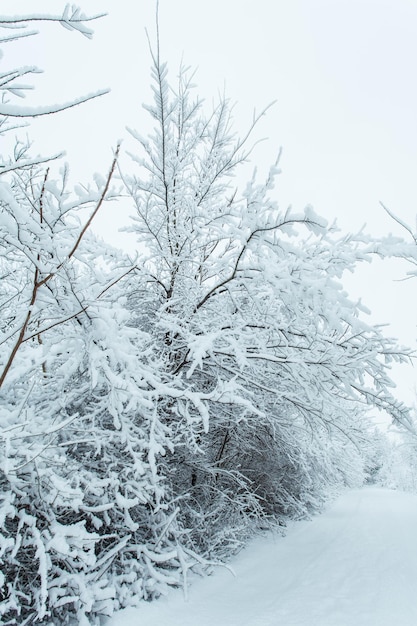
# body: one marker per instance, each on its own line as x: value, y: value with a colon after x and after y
x: 9, y: 110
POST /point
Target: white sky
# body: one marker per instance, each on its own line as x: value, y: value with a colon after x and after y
x: 342, y: 72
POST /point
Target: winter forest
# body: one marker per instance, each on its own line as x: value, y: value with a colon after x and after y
x: 158, y: 411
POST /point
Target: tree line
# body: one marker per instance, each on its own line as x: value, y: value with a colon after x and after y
x: 156, y: 412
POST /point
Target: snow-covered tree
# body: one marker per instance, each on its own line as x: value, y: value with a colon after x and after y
x: 399, y: 468
x: 84, y: 521
x: 273, y: 364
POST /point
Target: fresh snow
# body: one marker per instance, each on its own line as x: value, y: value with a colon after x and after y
x: 353, y: 565
x: 12, y: 110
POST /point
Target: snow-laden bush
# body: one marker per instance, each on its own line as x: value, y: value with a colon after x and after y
x: 395, y: 462
x: 272, y: 363
x: 88, y: 523
x: 85, y: 515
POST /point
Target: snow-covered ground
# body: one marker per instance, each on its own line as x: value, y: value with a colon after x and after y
x: 354, y: 565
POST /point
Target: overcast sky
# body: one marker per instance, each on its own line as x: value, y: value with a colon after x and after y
x: 342, y: 73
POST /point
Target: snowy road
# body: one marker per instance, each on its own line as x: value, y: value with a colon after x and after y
x: 354, y: 565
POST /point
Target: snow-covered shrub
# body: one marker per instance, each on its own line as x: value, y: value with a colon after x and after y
x: 244, y: 305
x: 88, y: 521
x: 396, y: 463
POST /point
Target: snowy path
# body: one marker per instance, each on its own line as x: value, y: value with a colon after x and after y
x: 354, y: 565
